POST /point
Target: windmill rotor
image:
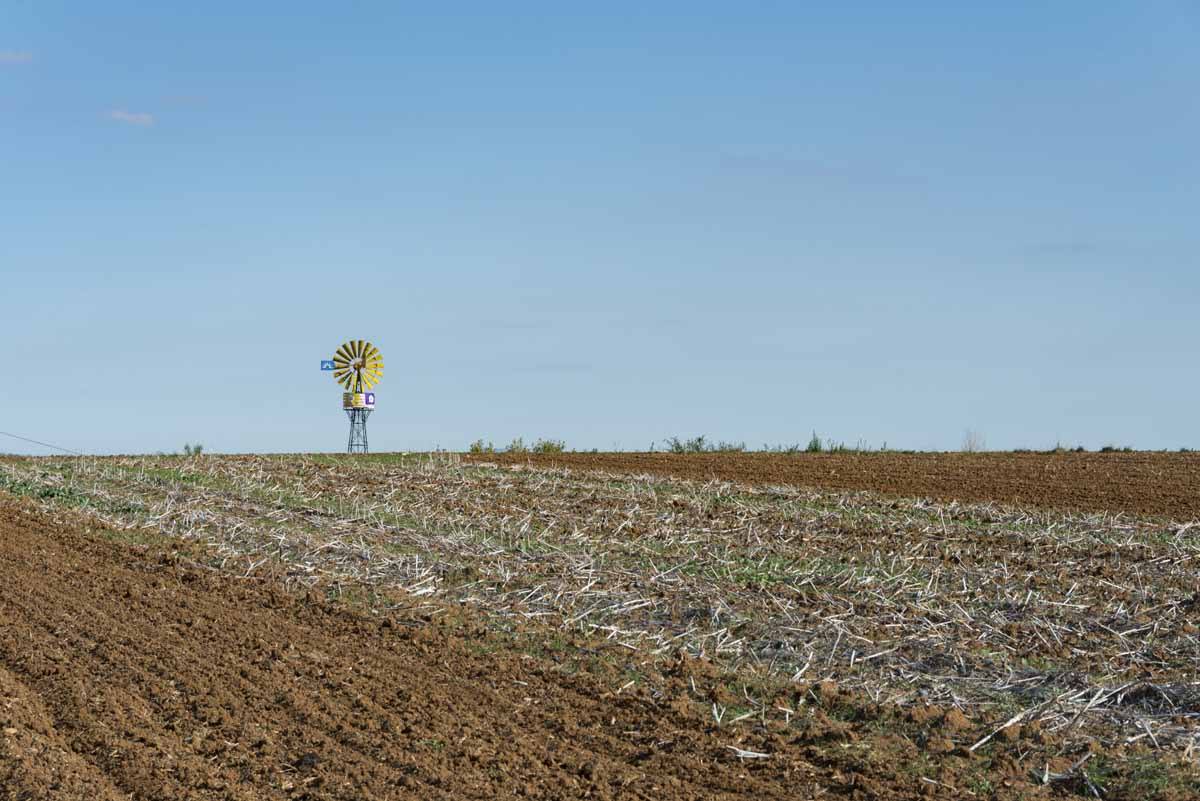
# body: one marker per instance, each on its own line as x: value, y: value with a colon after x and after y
x: 357, y: 365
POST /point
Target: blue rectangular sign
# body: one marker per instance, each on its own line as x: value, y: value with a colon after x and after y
x: 327, y: 364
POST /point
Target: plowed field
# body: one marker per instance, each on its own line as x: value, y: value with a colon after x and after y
x: 125, y: 674
x: 410, y: 626
x: 1163, y: 484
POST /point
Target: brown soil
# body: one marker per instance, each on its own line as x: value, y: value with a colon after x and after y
x: 126, y: 673
x: 1161, y: 484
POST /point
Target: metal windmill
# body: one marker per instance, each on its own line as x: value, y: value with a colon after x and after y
x: 357, y: 366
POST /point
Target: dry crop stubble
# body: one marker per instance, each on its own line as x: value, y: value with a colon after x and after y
x: 128, y: 672
x: 1145, y: 483
x: 1077, y: 625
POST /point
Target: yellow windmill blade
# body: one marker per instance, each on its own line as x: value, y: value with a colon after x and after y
x: 374, y: 362
x: 344, y: 366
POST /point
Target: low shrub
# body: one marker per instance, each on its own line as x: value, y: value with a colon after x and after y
x: 701, y: 444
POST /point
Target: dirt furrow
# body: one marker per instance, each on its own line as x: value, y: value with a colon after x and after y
x: 127, y: 674
x: 1158, y: 483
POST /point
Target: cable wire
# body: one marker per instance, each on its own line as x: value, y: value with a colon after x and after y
x: 44, y: 444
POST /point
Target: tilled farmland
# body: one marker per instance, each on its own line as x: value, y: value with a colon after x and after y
x: 129, y: 674
x: 389, y: 626
x: 1160, y: 483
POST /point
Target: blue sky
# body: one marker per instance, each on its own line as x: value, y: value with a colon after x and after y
x: 608, y: 226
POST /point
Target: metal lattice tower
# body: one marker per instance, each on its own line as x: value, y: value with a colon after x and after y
x: 357, y: 366
x: 358, y: 430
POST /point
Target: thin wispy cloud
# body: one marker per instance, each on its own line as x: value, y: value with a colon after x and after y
x: 185, y: 101
x: 15, y: 57
x: 514, y: 325
x: 131, y: 117
x: 552, y: 367
x: 817, y: 169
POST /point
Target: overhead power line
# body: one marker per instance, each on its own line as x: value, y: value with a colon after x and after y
x: 43, y: 444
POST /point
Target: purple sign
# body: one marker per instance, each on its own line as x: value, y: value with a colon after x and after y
x: 370, y: 399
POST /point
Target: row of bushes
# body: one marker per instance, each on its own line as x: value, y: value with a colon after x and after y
x: 699, y: 444
x: 973, y: 443
x: 518, y: 446
x: 815, y: 445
